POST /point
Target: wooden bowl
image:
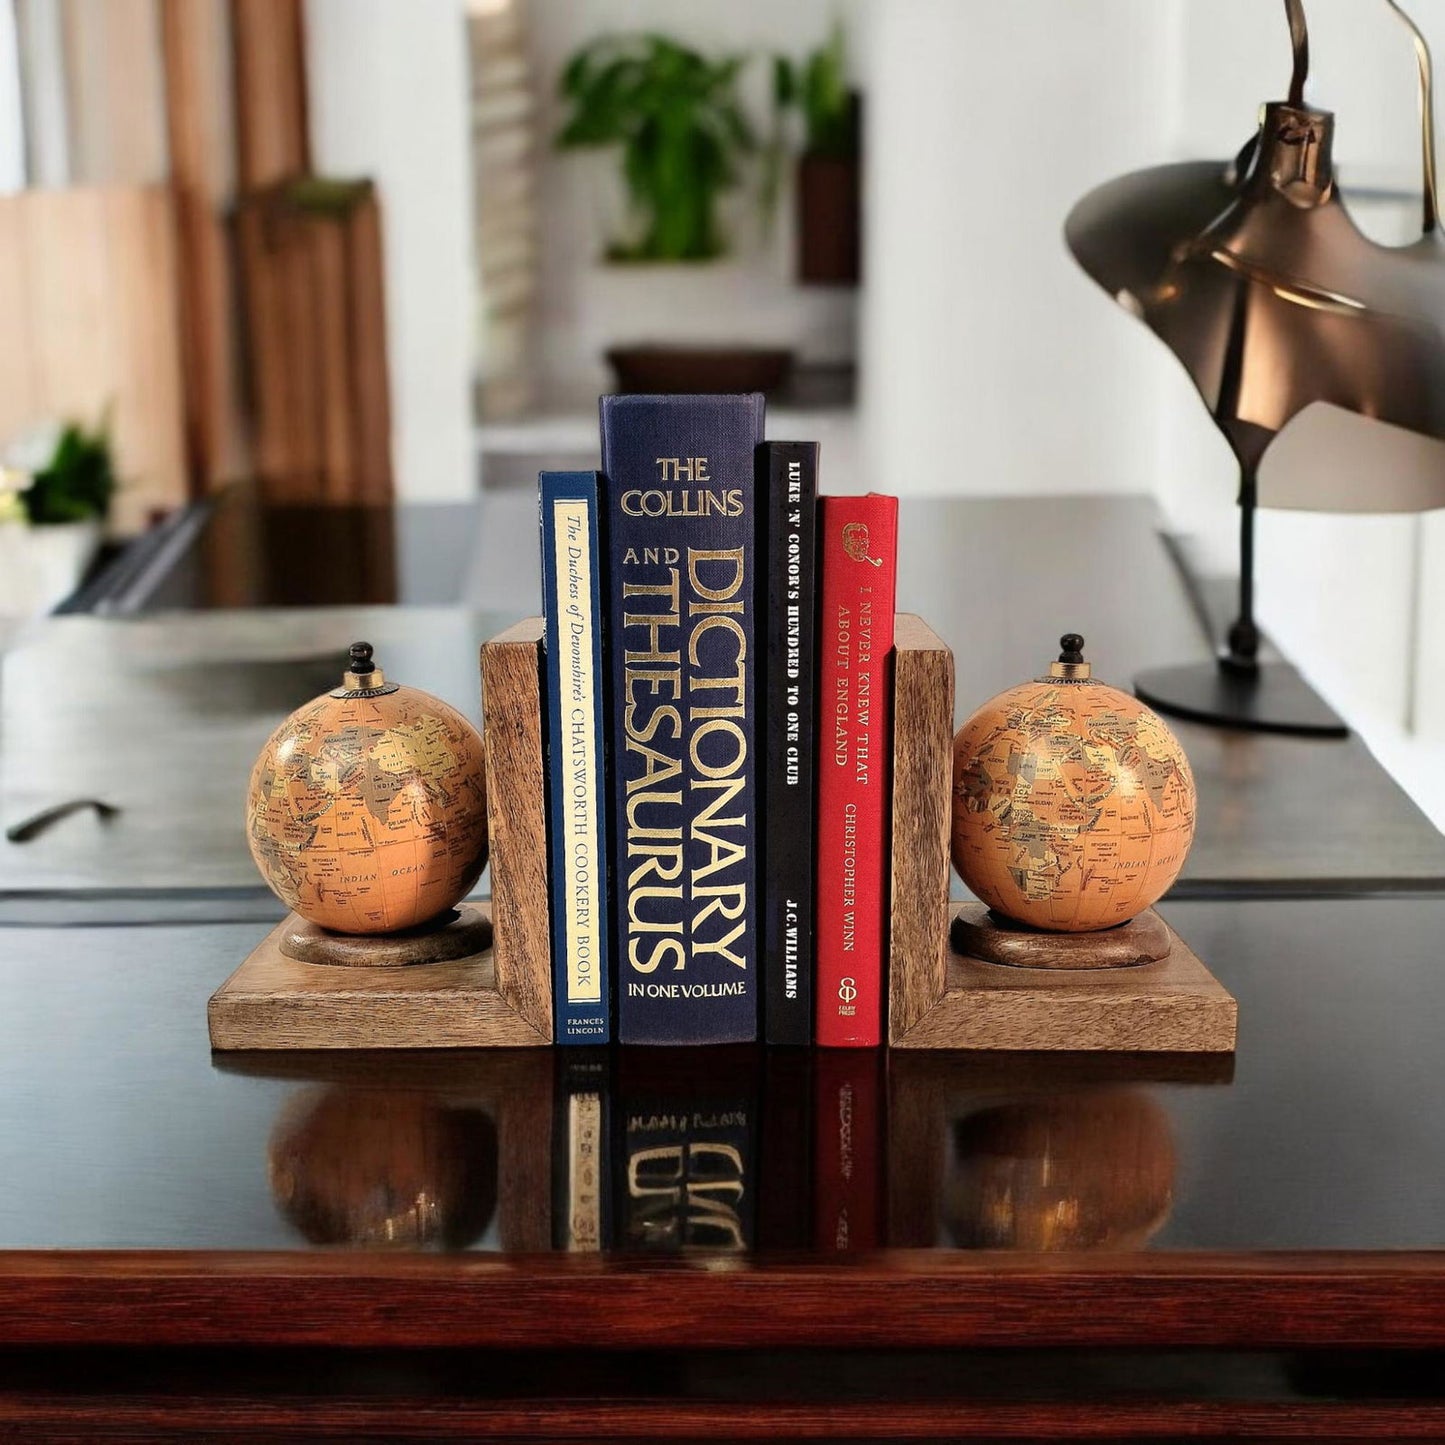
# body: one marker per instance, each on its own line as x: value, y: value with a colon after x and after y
x: 694, y: 369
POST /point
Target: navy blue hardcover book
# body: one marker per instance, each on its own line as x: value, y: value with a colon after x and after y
x: 682, y: 524
x: 572, y: 555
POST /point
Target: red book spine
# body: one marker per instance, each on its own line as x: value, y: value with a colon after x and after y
x: 858, y: 553
x: 848, y: 1182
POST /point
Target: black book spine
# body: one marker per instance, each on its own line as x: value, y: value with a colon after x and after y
x: 788, y: 486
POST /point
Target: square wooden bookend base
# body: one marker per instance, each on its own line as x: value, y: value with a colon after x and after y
x: 275, y: 1002
x: 1173, y: 1006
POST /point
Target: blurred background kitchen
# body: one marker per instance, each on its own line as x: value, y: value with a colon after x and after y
x: 319, y: 285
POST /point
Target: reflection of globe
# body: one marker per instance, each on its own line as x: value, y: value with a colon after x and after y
x: 1073, y: 804
x: 367, y: 812
x: 379, y: 1167
x: 1092, y: 1169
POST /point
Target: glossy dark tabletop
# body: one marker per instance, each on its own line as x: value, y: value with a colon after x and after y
x: 119, y: 1129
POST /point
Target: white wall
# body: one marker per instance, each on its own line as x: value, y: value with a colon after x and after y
x: 1236, y: 53
x: 388, y: 95
x: 992, y: 364
x: 43, y: 94
x: 12, y: 110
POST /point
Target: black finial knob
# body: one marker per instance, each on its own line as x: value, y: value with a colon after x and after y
x: 1072, y: 646
x: 361, y: 662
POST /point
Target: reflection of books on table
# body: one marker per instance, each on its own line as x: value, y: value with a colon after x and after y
x: 580, y: 1210
x: 785, y: 1151
x: 685, y: 1172
x: 848, y: 1177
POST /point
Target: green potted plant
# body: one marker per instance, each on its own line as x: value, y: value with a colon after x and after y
x: 682, y: 131
x: 829, y: 168
x: 685, y: 143
x: 56, y: 483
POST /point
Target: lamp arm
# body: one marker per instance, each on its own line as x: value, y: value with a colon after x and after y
x: 1427, y: 116
x: 1299, y: 38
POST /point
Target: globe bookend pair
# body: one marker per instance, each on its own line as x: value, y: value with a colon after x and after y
x: 1073, y: 812
x: 367, y: 816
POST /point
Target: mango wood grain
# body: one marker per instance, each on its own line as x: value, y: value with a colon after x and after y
x: 458, y: 934
x: 513, y: 723
x: 276, y: 1002
x: 312, y: 285
x: 195, y: 49
x: 269, y: 53
x: 898, y: 1298
x: 361, y: 1417
x: 1173, y: 1006
x: 922, y: 803
x: 979, y: 932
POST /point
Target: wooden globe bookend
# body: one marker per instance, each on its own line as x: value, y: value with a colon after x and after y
x: 501, y: 995
x: 479, y: 979
x: 942, y: 998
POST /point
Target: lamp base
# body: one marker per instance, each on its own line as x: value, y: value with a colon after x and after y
x: 1270, y: 698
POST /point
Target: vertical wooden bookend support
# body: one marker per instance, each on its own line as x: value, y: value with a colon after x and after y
x: 922, y: 799
x: 513, y: 723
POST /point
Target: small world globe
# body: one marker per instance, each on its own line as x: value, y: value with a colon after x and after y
x: 367, y: 811
x: 1073, y: 803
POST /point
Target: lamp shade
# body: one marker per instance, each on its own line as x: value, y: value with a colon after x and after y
x: 1285, y: 315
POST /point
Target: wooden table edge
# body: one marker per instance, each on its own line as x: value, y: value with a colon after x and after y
x: 902, y: 1298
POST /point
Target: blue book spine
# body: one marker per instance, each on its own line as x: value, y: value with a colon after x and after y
x: 681, y: 623
x: 572, y: 556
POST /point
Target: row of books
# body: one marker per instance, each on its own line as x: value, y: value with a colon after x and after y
x: 649, y: 1156
x: 718, y: 680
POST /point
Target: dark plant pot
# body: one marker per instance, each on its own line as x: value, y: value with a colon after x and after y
x: 686, y: 369
x: 829, y: 220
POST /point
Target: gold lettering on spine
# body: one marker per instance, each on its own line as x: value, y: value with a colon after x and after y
x: 674, y: 913
x: 582, y: 875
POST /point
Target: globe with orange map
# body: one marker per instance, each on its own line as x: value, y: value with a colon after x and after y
x: 1073, y: 803
x: 367, y: 811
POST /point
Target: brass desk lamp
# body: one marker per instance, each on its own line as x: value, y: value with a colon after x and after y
x: 1294, y: 326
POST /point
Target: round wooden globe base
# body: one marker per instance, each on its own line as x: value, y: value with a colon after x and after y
x: 458, y: 933
x: 981, y: 933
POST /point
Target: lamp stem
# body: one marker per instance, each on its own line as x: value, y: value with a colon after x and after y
x: 1427, y: 117
x: 1300, y: 42
x: 1243, y: 637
